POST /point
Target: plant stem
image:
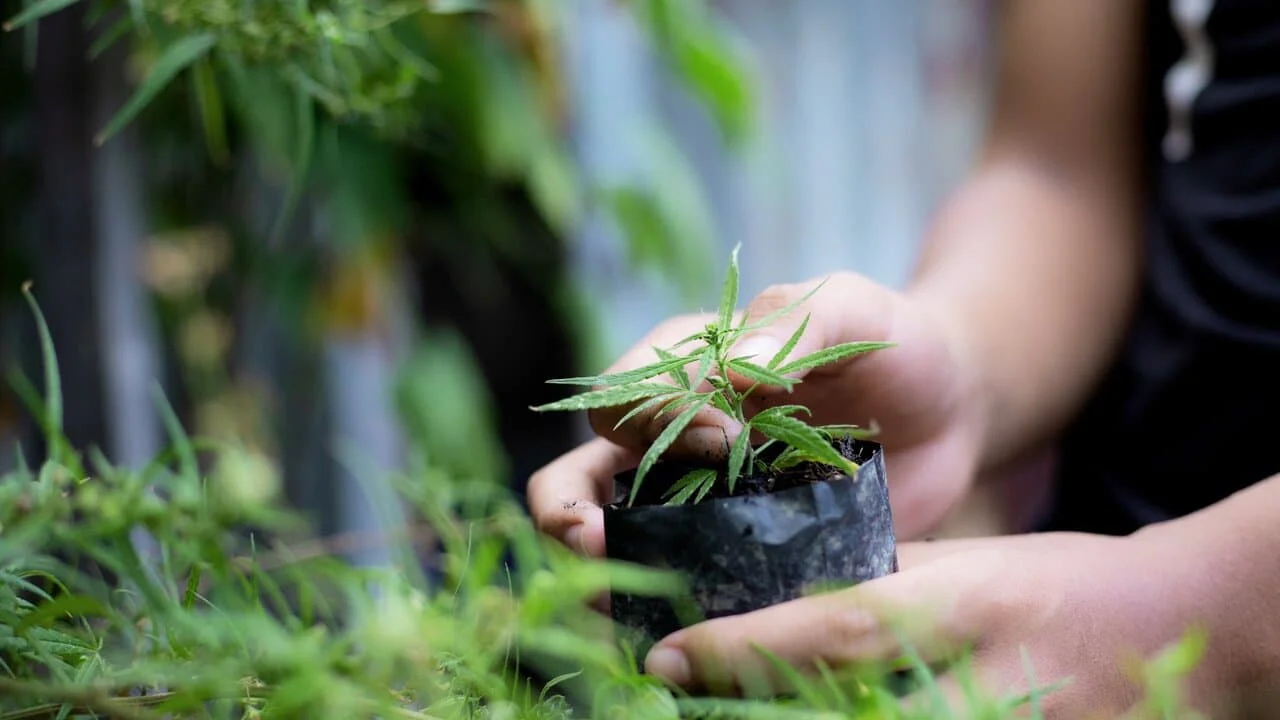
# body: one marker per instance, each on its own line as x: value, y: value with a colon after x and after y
x: 735, y: 400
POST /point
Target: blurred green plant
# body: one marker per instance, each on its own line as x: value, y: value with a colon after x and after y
x: 477, y: 82
x: 380, y: 127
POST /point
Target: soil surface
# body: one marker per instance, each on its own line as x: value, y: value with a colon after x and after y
x: 666, y: 473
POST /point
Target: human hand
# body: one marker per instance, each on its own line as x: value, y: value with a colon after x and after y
x: 1082, y: 605
x: 922, y: 393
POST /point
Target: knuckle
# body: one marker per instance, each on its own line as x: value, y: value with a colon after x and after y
x: 847, y: 625
x: 774, y: 297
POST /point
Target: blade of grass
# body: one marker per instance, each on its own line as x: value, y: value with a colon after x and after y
x: 35, y: 11
x: 174, y: 59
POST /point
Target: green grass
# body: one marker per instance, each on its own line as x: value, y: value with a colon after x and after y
x: 244, y: 615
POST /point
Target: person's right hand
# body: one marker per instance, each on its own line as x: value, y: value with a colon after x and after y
x: 923, y: 394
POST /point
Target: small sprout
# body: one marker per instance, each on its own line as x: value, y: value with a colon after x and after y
x: 682, y: 383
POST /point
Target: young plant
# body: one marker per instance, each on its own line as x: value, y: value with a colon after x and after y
x: 696, y: 372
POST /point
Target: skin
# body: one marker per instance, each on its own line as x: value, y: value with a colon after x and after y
x: 1021, y: 296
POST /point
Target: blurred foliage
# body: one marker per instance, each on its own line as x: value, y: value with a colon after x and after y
x: 328, y: 93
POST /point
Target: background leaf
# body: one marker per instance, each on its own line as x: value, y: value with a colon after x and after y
x: 35, y: 11
x: 174, y: 59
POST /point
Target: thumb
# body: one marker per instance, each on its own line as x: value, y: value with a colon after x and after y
x: 935, y: 610
x: 791, y: 321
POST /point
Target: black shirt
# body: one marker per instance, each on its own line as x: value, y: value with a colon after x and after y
x: 1189, y: 412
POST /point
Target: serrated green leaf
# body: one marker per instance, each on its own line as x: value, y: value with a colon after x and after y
x: 608, y: 397
x: 678, y: 375
x: 787, y: 410
x: 664, y: 441
x: 759, y: 374
x: 704, y: 367
x: 650, y: 404
x: 729, y: 293
x: 700, y: 335
x: 789, y: 458
x: 790, y: 344
x: 721, y: 403
x: 738, y: 455
x: 645, y: 372
x: 850, y: 431
x: 799, y: 435
x: 35, y: 11
x: 696, y: 481
x: 677, y: 403
x: 832, y: 354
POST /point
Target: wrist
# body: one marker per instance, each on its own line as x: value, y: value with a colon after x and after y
x: 1221, y: 571
x: 976, y: 398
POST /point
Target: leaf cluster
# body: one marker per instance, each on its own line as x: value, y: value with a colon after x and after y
x: 701, y: 371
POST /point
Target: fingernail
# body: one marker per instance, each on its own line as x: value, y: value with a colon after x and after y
x: 759, y: 349
x: 669, y: 663
x: 573, y: 539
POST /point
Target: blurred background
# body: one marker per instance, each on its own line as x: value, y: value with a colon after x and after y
x: 351, y: 235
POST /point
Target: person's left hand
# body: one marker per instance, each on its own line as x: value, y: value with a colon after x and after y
x: 1081, y: 605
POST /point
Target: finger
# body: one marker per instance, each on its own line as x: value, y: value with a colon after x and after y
x: 846, y: 308
x: 565, y: 496
x: 912, y: 555
x: 708, y: 435
x: 935, y: 610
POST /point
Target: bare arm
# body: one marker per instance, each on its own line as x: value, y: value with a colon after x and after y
x: 1222, y: 568
x: 1032, y: 263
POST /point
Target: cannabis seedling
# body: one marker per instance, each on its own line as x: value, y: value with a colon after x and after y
x: 708, y: 354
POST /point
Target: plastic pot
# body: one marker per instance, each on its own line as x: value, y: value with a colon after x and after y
x: 773, y: 541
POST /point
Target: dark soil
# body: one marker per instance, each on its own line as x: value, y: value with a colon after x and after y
x: 753, y: 481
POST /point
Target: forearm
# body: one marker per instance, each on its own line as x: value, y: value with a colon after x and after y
x: 1033, y: 262
x: 1223, y: 570
x: 1034, y: 276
